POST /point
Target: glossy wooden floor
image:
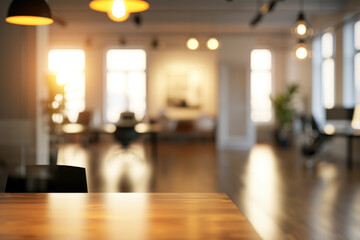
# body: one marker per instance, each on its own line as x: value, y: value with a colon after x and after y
x: 272, y: 188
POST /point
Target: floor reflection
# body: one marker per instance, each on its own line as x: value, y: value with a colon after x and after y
x: 280, y: 196
x: 110, y: 168
x: 262, y: 187
x: 126, y: 170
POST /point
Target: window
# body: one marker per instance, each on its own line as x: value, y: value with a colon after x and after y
x: 125, y: 83
x: 69, y: 67
x: 328, y: 70
x: 357, y: 60
x: 261, y: 85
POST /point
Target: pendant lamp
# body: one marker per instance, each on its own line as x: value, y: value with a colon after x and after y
x: 130, y: 5
x: 29, y: 12
x: 301, y: 51
x: 301, y: 28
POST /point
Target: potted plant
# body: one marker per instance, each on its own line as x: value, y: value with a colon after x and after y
x: 284, y: 114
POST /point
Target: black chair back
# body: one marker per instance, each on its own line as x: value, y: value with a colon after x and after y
x: 313, y: 138
x: 125, y: 135
x: 49, y: 178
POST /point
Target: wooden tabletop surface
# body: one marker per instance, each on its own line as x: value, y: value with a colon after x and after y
x: 121, y: 216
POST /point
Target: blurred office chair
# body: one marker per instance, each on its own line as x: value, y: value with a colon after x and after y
x: 49, y: 178
x: 312, y: 140
x: 126, y: 134
x: 125, y: 129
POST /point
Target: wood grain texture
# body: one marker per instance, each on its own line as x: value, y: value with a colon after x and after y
x: 121, y: 216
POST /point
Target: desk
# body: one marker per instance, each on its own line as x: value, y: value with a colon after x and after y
x: 142, y: 128
x: 127, y: 216
x: 347, y: 132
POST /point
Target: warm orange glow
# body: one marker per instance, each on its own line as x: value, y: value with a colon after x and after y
x: 118, y: 12
x: 29, y: 20
x: 120, y: 19
x: 130, y: 5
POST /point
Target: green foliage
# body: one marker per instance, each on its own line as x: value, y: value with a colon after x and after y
x: 284, y: 110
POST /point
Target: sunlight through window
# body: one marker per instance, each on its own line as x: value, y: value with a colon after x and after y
x: 261, y: 86
x: 328, y: 83
x: 69, y: 67
x: 125, y: 83
x: 357, y: 61
x: 357, y: 35
x: 357, y: 72
x: 328, y: 70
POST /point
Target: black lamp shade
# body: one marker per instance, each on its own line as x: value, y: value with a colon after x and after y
x: 29, y: 12
x: 301, y: 16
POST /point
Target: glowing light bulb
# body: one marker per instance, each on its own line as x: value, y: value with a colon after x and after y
x: 118, y: 11
x: 301, y: 52
x: 192, y: 44
x: 301, y: 29
x: 120, y: 19
x: 213, y: 44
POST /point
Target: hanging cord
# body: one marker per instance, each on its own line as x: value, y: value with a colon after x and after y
x: 301, y: 5
x: 23, y: 102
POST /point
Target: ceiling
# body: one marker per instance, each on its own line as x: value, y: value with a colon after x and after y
x: 207, y: 16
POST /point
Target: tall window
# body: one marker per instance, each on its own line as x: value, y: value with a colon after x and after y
x: 357, y: 60
x: 69, y: 67
x: 125, y: 83
x: 261, y: 85
x: 328, y: 70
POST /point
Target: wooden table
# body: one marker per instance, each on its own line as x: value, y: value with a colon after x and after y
x: 121, y: 216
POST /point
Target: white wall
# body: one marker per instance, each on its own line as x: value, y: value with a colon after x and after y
x: 235, y: 129
x: 163, y: 63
